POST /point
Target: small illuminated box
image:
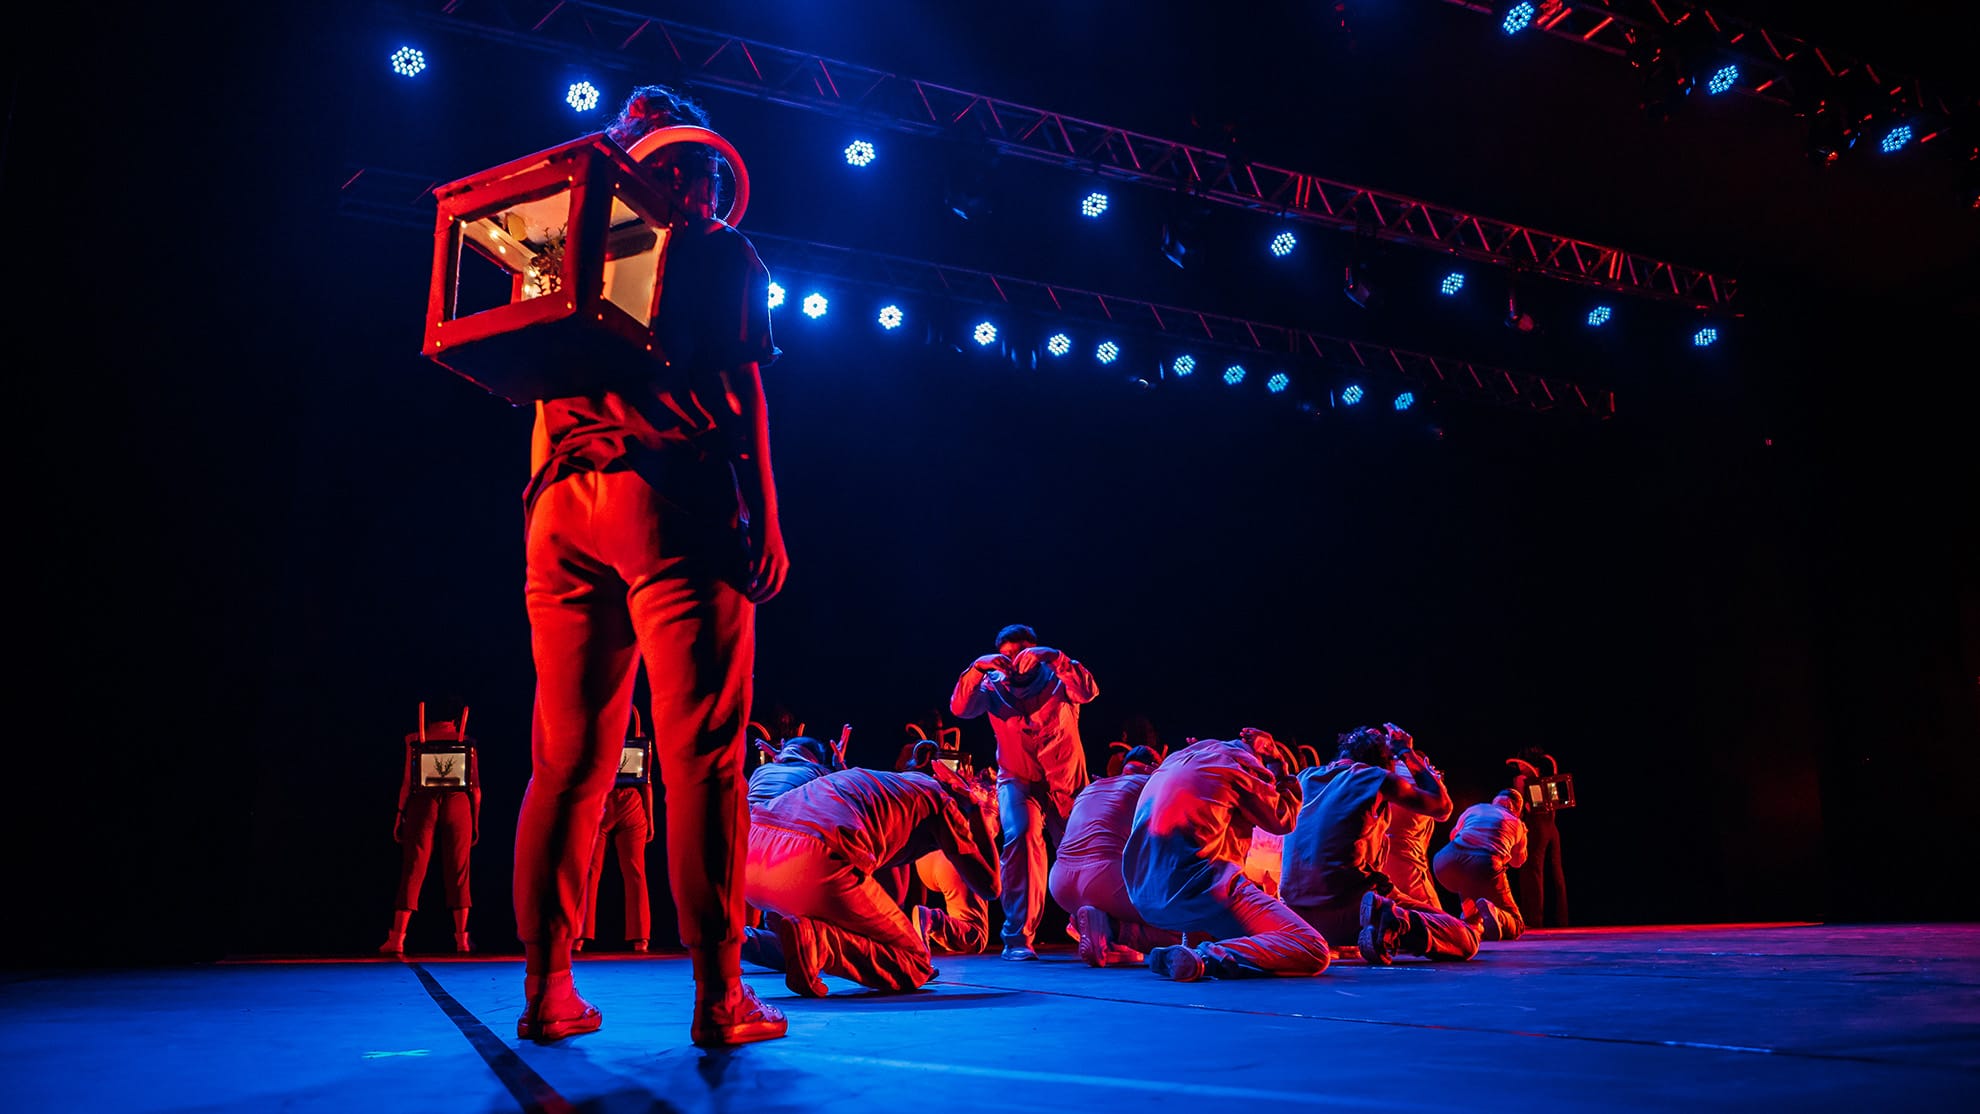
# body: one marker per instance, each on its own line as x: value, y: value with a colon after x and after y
x: 1549, y: 793
x: 547, y: 271
x: 444, y: 766
x: 632, y: 765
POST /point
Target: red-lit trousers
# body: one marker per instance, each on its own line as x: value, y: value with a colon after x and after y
x: 1431, y: 933
x: 1472, y: 874
x: 1099, y: 883
x: 1539, y: 884
x: 624, y: 830
x: 1249, y: 926
x: 617, y: 575
x: 426, y: 812
x: 862, y: 933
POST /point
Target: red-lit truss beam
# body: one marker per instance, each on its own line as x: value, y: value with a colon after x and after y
x: 1769, y: 60
x: 407, y: 199
x: 642, y: 43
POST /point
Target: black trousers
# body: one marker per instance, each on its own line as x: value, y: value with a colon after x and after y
x: 1539, y: 885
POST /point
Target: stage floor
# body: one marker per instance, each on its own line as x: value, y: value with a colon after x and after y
x: 1756, y: 1017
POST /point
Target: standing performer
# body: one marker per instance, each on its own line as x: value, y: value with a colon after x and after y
x: 1185, y: 868
x: 626, y: 827
x: 439, y: 791
x: 1087, y: 880
x: 1333, y: 857
x: 1032, y: 695
x: 1406, y: 854
x: 1540, y: 884
x: 652, y: 535
x: 813, y: 855
x: 1488, y: 839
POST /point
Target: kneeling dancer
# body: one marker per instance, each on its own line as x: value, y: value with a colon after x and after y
x: 1488, y: 839
x: 813, y: 854
x: 1184, y: 862
x: 1086, y: 878
x: 1334, y: 855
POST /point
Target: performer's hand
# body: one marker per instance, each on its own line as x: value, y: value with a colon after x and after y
x: 769, y: 564
x: 474, y: 838
x: 1274, y: 754
x: 1044, y: 655
x: 1399, y: 740
x: 398, y: 822
x: 992, y: 663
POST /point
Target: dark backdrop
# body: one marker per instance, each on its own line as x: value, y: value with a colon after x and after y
x: 259, y: 528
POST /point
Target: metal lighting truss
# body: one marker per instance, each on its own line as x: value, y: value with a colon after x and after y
x: 405, y: 199
x: 637, y: 42
x: 1769, y: 60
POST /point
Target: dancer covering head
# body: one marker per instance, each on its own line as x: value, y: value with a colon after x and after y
x: 1406, y: 853
x: 652, y: 534
x: 790, y: 765
x: 1184, y: 861
x: 1087, y: 880
x: 813, y: 855
x: 1333, y: 857
x: 1032, y: 695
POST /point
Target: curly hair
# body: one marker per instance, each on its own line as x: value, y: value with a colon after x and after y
x: 651, y: 107
x: 1368, y: 745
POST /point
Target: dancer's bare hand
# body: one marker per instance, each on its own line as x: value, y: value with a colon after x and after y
x: 769, y: 563
x: 992, y: 663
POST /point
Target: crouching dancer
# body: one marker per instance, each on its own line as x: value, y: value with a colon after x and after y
x: 813, y: 853
x: 1086, y: 878
x: 1333, y: 857
x: 797, y: 761
x: 1184, y: 862
x: 1488, y: 839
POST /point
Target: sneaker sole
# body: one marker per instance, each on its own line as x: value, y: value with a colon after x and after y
x: 1373, y: 938
x: 1095, y: 939
x: 1177, y: 964
x: 748, y: 1032
x: 546, y: 1032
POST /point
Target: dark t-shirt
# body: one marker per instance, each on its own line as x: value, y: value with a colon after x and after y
x: 714, y: 315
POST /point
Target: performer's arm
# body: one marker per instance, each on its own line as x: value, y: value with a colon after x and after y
x: 1078, y: 680
x: 769, y: 564
x: 970, y: 850
x: 1518, y: 858
x: 474, y: 796
x: 1269, y: 800
x: 969, y: 699
x: 1424, y: 790
x: 646, y: 794
x: 405, y: 790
